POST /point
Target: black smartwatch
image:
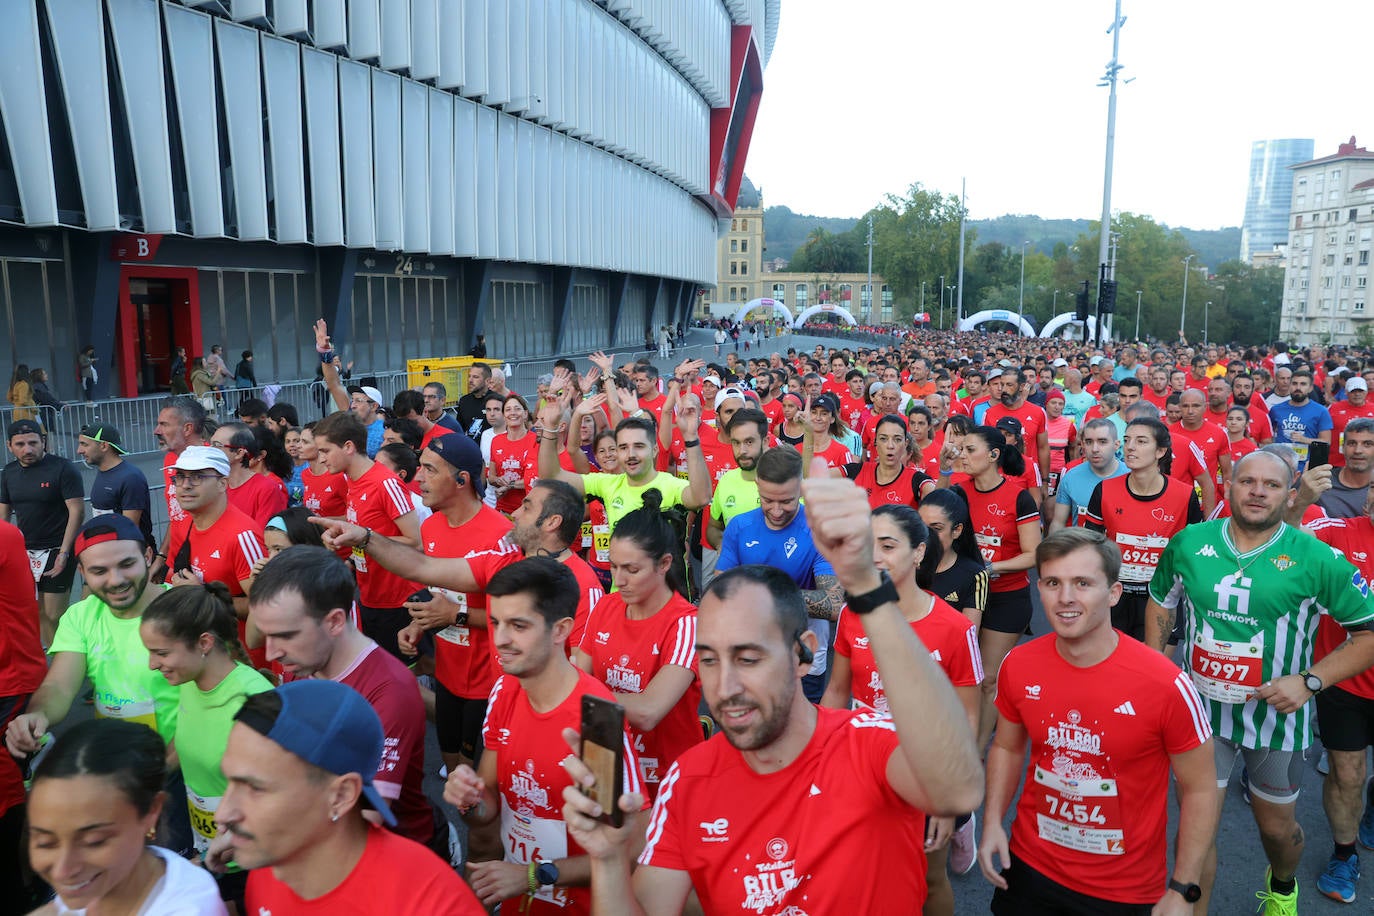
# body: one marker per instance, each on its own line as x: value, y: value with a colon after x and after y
x: 547, y: 873
x: 1190, y: 892
x: 1311, y: 681
x: 865, y: 603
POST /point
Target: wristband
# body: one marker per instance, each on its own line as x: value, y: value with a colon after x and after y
x: 159, y: 556
x: 367, y: 539
x: 949, y: 473
x: 326, y: 357
x: 530, y: 877
x: 885, y: 593
x: 689, y: 443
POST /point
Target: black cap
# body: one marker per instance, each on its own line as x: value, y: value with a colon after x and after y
x: 1010, y: 425
x: 102, y: 432
x: 23, y: 428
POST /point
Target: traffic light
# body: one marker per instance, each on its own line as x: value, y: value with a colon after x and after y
x: 1106, y: 297
x: 1080, y: 309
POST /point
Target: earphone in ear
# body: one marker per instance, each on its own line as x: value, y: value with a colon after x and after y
x: 804, y: 653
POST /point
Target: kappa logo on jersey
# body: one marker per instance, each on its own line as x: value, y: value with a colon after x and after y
x: 1126, y: 709
x: 1206, y: 550
x: 716, y: 831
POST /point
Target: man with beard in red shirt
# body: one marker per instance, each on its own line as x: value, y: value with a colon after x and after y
x: 1013, y: 404
x: 780, y: 813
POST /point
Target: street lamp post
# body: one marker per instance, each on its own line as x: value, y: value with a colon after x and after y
x: 1137, y: 313
x: 1021, y: 296
x: 1054, y: 308
x: 1184, y: 313
x: 952, y: 287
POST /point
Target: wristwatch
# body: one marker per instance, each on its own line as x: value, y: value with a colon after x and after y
x: 1312, y: 682
x: 1190, y: 892
x: 547, y: 873
x: 865, y: 603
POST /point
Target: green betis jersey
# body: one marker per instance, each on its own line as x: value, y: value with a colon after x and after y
x: 117, y: 664
x: 620, y: 498
x: 204, y: 719
x: 733, y: 496
x: 1249, y: 618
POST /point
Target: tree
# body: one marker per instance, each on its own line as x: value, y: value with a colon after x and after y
x: 915, y: 239
x: 826, y: 252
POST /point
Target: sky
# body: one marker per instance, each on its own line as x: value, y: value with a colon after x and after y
x: 865, y: 97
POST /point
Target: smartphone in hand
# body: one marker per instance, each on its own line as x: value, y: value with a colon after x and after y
x: 603, y: 752
x: 1318, y: 453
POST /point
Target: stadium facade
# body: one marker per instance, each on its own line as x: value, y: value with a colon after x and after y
x: 549, y: 173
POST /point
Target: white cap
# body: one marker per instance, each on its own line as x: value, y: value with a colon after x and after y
x: 1356, y: 384
x: 726, y: 394
x: 1094, y: 361
x: 367, y: 391
x: 203, y: 458
x: 713, y: 379
x: 1061, y: 361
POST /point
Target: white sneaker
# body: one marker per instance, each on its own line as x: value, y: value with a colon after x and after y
x: 963, y: 847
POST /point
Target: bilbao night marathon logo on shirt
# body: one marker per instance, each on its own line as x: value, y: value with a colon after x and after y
x: 773, y: 878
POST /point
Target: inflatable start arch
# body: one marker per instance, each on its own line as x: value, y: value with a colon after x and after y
x: 1058, y: 322
x: 977, y: 318
x: 829, y: 309
x: 773, y: 304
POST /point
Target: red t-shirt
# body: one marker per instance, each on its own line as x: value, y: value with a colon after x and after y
x: 1353, y: 537
x: 22, y: 664
x: 177, y: 519
x: 904, y: 490
x: 394, y: 875
x: 835, y: 454
x: 1238, y: 450
x: 654, y: 405
x: 589, y: 590
x: 950, y: 636
x: 464, y: 660
x: 853, y: 411
x: 1032, y: 419
x: 773, y: 411
x: 995, y: 516
x: 260, y: 497
x: 520, y: 458
x: 226, y: 551
x: 530, y: 779
x: 1093, y: 816
x: 1211, y: 443
x: 1141, y: 526
x: 376, y: 500
x: 391, y: 690
x: 825, y: 833
x: 1159, y: 400
x: 628, y: 654
x: 1342, y: 412
x: 325, y: 494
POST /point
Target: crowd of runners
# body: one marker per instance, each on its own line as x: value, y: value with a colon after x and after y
x: 805, y: 577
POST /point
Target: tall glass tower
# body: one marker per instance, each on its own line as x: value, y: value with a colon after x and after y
x: 1269, y: 193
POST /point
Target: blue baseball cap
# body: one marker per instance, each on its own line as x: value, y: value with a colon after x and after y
x: 331, y: 726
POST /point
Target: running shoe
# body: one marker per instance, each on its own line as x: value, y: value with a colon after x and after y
x: 1366, y: 833
x: 1273, y: 904
x: 963, y: 847
x: 1339, y: 879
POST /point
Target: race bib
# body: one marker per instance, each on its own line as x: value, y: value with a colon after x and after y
x: 601, y: 536
x: 458, y: 636
x: 535, y: 839
x: 142, y: 711
x: 359, y: 559
x: 1228, y: 672
x: 1139, y: 555
x: 586, y: 535
x: 202, y: 811
x: 988, y: 545
x: 1079, y: 814
x: 38, y: 562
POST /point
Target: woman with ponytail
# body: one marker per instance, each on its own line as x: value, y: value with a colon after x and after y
x: 908, y: 551
x: 1006, y: 525
x: 191, y: 634
x: 640, y: 641
x: 1139, y: 513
